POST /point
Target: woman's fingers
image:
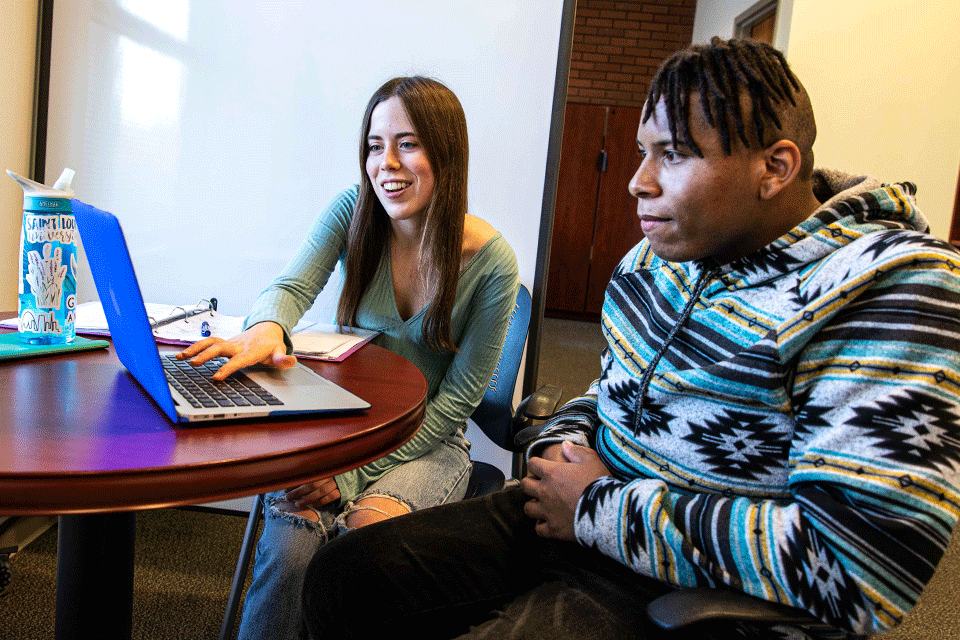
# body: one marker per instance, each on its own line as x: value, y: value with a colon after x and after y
x: 261, y: 343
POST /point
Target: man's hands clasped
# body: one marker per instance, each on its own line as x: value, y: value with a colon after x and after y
x: 555, y: 483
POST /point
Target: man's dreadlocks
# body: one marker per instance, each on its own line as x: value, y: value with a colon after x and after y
x: 721, y: 73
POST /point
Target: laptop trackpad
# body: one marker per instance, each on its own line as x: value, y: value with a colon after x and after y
x: 302, y: 386
x: 297, y: 376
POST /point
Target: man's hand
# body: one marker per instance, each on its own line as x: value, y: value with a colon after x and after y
x: 314, y: 494
x: 260, y: 344
x: 555, y: 487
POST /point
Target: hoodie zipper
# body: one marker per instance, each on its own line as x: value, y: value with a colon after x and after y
x: 705, y: 276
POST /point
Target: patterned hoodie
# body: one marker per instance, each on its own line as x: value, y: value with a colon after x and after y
x: 786, y: 424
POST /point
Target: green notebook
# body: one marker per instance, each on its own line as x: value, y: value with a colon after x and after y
x: 12, y: 349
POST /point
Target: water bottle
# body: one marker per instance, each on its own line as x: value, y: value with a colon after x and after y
x: 48, y: 262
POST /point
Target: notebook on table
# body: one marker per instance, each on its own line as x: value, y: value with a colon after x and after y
x: 254, y: 392
x: 11, y: 348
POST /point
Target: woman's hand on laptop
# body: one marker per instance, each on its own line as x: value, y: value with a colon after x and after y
x: 260, y: 344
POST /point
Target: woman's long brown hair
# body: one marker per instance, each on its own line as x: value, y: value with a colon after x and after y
x: 441, y: 127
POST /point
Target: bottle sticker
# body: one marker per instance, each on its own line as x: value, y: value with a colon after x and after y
x: 20, y: 290
x: 46, y: 277
x: 50, y: 228
x: 39, y: 322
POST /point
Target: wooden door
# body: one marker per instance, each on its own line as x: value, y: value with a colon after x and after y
x: 576, y: 205
x: 762, y: 30
x: 595, y: 220
x: 617, y: 227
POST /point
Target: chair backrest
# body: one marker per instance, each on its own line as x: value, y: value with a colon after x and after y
x: 494, y: 414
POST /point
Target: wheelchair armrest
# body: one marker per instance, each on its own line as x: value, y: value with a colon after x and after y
x: 540, y: 404
x: 684, y: 607
x: 524, y: 437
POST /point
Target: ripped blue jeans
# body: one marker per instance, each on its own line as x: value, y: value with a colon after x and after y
x: 272, y: 608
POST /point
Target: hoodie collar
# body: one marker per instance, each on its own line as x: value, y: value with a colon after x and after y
x: 853, y: 205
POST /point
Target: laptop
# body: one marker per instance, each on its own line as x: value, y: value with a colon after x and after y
x: 256, y: 391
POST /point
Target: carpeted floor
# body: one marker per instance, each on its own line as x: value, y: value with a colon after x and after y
x: 570, y: 355
x: 184, y: 565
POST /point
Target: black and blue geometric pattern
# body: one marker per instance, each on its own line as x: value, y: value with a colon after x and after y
x: 739, y: 444
x: 913, y: 428
x: 819, y: 578
x: 799, y: 434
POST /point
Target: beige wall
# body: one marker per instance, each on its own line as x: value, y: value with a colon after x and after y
x: 18, y: 29
x: 884, y: 78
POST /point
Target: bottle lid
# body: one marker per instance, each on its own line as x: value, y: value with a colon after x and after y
x: 40, y: 196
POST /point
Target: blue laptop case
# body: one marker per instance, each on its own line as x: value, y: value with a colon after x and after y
x: 122, y: 301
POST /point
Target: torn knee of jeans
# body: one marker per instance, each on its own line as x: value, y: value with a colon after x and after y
x: 386, y: 495
x: 346, y: 521
x: 307, y: 517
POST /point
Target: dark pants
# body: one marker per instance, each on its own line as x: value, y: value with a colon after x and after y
x: 476, y: 568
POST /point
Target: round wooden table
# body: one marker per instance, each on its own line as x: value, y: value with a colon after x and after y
x: 82, y: 440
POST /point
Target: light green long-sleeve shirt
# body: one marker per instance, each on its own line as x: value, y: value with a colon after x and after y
x: 486, y: 293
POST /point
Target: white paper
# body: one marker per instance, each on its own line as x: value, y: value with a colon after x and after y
x: 320, y: 341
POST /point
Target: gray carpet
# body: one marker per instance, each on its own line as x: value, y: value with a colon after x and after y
x: 570, y: 355
x: 937, y: 614
x: 184, y: 565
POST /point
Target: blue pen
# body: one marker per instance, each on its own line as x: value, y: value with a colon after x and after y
x: 205, y: 329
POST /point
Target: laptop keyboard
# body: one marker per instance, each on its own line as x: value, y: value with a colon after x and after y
x: 197, y: 386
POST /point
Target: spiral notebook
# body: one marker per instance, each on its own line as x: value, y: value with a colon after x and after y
x: 183, y: 325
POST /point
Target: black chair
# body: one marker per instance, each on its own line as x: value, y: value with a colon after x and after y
x: 684, y: 608
x: 495, y: 417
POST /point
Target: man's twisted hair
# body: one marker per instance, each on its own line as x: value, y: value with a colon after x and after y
x: 727, y: 75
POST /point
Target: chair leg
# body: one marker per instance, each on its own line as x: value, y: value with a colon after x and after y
x: 240, y: 574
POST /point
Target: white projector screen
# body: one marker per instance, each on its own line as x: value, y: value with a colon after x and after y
x: 216, y: 130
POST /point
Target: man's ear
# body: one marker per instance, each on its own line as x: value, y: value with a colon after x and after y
x: 781, y: 167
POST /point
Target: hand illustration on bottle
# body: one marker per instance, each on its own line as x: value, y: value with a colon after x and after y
x: 46, y: 277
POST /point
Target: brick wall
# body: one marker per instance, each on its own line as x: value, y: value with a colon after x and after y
x: 617, y: 46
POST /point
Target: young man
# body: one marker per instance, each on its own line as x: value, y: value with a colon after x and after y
x: 777, y: 412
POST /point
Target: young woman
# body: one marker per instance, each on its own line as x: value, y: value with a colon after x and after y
x: 438, y: 283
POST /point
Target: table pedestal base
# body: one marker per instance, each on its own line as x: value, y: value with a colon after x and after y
x: 95, y: 576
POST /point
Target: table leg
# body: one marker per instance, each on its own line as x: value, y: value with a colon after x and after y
x: 95, y: 576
